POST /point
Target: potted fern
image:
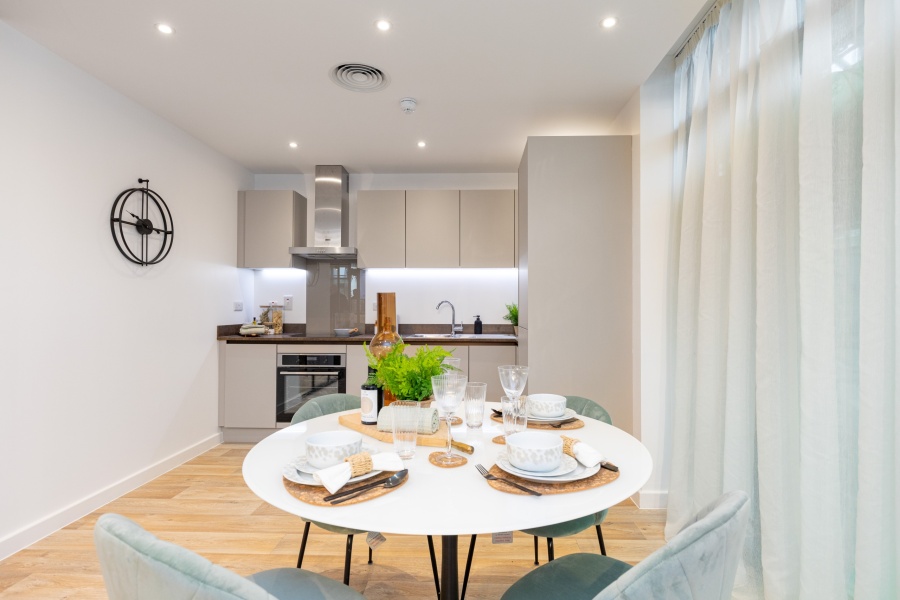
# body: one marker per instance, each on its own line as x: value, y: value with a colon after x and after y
x: 408, y: 377
x: 512, y: 315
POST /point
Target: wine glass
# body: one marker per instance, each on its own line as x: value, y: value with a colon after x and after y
x: 449, y: 389
x: 513, y: 379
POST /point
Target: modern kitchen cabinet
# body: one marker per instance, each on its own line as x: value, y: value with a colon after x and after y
x: 249, y: 394
x: 487, y: 228
x: 270, y: 222
x: 483, y: 363
x: 432, y: 228
x: 381, y: 229
x: 357, y: 368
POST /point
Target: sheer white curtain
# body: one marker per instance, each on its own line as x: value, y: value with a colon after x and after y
x: 786, y: 339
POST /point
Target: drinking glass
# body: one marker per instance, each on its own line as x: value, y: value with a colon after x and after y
x: 513, y: 379
x: 405, y: 426
x: 449, y: 390
x: 451, y: 363
x: 515, y: 414
x: 474, y: 400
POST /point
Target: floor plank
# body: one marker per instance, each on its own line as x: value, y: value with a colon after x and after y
x: 204, y: 505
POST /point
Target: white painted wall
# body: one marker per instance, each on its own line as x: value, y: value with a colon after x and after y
x: 108, y: 370
x: 472, y: 291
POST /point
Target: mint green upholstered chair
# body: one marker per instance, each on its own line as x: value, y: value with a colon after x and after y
x: 137, y: 565
x: 699, y: 563
x: 325, y: 405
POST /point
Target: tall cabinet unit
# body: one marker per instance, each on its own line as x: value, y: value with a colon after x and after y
x: 269, y: 224
x: 575, y: 269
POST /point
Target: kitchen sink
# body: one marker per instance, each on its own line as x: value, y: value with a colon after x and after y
x: 459, y: 336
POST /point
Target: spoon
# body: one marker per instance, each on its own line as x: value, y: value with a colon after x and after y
x: 392, y: 481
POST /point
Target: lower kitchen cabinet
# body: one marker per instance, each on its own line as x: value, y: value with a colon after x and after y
x: 357, y: 368
x: 483, y: 363
x: 249, y: 395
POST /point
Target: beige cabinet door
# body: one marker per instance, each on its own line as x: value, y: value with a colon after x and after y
x: 381, y: 228
x: 269, y: 223
x: 432, y: 228
x: 483, y: 363
x: 249, y: 398
x: 357, y: 368
x: 487, y: 228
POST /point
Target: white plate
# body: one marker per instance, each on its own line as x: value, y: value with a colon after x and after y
x: 566, y: 465
x: 291, y: 473
x: 307, y: 468
x: 568, y: 414
x: 580, y: 472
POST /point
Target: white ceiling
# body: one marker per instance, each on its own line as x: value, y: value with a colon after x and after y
x: 248, y: 76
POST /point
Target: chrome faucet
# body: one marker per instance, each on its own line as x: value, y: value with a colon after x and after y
x: 454, y: 328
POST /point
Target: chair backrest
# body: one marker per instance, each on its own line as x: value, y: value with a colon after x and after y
x: 588, y: 408
x: 325, y: 405
x: 699, y: 563
x: 137, y: 565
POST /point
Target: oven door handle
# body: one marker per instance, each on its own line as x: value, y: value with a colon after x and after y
x: 308, y: 373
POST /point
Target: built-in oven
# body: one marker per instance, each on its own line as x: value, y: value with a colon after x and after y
x: 302, y: 377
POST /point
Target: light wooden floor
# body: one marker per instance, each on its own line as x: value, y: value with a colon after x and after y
x: 205, y: 506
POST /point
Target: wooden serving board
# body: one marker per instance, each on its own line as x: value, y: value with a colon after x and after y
x: 352, y: 421
x: 601, y: 477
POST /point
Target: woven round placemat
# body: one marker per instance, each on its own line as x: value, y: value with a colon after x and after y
x: 576, y: 424
x: 315, y: 494
x: 601, y: 477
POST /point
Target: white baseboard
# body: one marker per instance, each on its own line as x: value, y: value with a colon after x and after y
x: 40, y: 529
x: 652, y: 499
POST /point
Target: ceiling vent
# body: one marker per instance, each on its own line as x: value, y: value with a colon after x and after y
x: 359, y: 78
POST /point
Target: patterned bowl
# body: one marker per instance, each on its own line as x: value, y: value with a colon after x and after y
x: 329, y: 448
x: 546, y: 405
x: 534, y: 451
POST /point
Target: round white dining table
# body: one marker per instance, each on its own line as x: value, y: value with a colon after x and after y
x: 449, y: 502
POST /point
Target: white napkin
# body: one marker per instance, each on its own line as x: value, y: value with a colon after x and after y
x: 334, y: 478
x: 583, y: 453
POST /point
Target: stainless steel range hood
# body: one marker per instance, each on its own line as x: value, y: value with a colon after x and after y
x: 332, y: 217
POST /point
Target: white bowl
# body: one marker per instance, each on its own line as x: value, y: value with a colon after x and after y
x: 546, y: 405
x: 534, y: 451
x: 329, y: 448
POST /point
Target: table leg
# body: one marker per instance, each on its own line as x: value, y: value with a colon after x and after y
x: 449, y: 568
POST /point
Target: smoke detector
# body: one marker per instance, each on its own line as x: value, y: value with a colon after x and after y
x: 408, y: 105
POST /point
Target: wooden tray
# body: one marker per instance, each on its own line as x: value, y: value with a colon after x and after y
x: 352, y: 421
x: 314, y: 494
x: 601, y: 477
x: 576, y: 424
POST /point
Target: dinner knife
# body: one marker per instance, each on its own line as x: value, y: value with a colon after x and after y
x: 361, y: 488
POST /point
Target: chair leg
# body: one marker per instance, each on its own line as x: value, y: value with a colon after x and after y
x: 370, y: 555
x: 549, y: 549
x: 462, y: 596
x: 303, y: 544
x: 535, y: 551
x: 437, y: 582
x: 347, y: 560
x: 602, y: 545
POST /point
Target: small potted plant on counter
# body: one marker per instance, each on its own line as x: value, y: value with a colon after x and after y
x: 408, y: 377
x: 512, y: 315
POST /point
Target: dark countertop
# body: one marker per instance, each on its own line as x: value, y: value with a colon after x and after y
x: 498, y: 335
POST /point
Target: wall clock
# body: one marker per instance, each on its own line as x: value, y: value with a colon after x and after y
x: 142, y: 225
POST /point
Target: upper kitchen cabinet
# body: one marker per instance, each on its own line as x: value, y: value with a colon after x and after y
x: 432, y: 228
x: 269, y: 224
x: 487, y: 228
x: 380, y: 233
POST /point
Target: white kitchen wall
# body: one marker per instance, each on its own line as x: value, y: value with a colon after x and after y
x: 108, y: 370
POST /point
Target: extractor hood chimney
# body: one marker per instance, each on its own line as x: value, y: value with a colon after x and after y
x: 332, y: 217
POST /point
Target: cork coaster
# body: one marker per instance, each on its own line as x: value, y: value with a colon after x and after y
x: 576, y: 424
x: 435, y: 459
x: 456, y: 421
x: 314, y: 494
x: 500, y: 439
x: 601, y: 477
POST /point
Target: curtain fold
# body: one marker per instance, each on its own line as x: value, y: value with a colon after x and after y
x: 786, y: 329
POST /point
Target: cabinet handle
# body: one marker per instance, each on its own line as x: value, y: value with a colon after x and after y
x: 308, y: 373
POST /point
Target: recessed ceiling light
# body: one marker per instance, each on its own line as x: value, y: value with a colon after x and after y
x: 293, y: 144
x: 383, y: 24
x: 421, y: 144
x: 165, y: 28
x: 609, y: 22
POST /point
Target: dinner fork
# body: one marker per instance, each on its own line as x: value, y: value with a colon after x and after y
x: 486, y: 475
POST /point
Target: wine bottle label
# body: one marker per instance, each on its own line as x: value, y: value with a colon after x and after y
x: 369, y: 406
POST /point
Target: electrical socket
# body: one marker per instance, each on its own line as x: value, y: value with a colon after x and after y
x: 238, y: 306
x: 288, y: 303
